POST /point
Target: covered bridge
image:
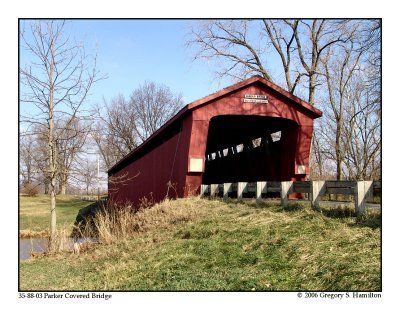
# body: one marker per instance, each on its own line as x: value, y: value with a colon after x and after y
x: 250, y: 131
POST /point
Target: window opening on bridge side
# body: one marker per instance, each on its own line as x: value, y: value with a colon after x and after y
x: 276, y: 136
x: 265, y: 141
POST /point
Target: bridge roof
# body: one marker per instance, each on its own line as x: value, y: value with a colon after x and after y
x: 298, y: 103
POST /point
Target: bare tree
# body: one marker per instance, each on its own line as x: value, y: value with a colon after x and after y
x: 244, y: 47
x: 105, y: 145
x: 40, y: 155
x: 363, y: 131
x: 71, y: 136
x: 27, y: 159
x: 56, y: 81
x: 228, y: 40
x: 125, y: 124
x: 351, y: 133
x: 317, y: 169
x: 153, y: 105
x: 284, y: 43
x: 85, y: 172
x: 370, y: 42
x: 115, y: 132
x: 338, y: 76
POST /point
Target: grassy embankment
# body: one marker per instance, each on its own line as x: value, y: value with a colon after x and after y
x: 200, y: 244
x: 34, y: 220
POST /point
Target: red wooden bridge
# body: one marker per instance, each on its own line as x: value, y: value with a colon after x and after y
x: 251, y: 131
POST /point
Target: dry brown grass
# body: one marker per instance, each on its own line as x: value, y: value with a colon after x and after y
x: 28, y: 233
x: 115, y: 224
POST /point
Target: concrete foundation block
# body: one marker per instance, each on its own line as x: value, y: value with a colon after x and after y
x: 318, y: 189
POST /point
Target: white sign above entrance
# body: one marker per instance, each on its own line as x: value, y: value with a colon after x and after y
x: 255, y: 98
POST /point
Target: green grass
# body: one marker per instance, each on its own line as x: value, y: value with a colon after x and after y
x: 213, y: 245
x: 34, y: 219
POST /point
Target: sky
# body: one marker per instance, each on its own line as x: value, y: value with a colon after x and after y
x: 133, y: 51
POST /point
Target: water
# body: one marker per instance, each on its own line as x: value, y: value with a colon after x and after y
x: 39, y: 245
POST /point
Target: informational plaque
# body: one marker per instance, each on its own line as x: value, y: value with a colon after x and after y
x: 196, y: 165
x: 255, y: 98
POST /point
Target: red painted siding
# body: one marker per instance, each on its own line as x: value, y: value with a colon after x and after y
x: 169, y: 161
x: 149, y: 175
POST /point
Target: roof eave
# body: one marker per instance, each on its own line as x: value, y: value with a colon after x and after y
x: 202, y: 101
x: 314, y: 111
x: 156, y: 133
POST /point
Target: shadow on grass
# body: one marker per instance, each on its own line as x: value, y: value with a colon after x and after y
x: 72, y: 204
x: 371, y: 218
x: 273, y: 205
x: 293, y: 207
x: 338, y: 212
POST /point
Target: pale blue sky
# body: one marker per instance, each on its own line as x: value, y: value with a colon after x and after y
x: 133, y: 51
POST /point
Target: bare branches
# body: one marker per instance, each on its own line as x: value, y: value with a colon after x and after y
x: 153, y: 105
x: 243, y: 47
x: 124, y: 124
x: 115, y: 183
x: 228, y: 40
x: 282, y: 43
x: 351, y: 134
x: 60, y: 74
x: 56, y: 82
x: 115, y: 132
x: 71, y: 137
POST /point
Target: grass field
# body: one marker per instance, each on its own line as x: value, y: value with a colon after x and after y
x: 34, y: 214
x: 209, y: 245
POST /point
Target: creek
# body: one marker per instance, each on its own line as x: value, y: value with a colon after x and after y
x: 39, y: 245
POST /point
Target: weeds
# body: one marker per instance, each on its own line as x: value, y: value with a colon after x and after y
x: 113, y: 224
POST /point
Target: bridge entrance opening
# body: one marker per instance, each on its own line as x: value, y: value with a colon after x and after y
x: 242, y: 148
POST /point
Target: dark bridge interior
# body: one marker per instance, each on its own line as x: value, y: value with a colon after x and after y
x: 249, y: 148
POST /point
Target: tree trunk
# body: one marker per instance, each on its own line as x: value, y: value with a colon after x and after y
x: 53, y: 216
x: 52, y: 156
x: 63, y: 190
x: 338, y: 152
x: 63, y: 184
x: 53, y: 180
x: 57, y: 82
x: 46, y: 187
x: 311, y: 87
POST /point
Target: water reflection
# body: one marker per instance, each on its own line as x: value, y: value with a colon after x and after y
x: 39, y: 245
